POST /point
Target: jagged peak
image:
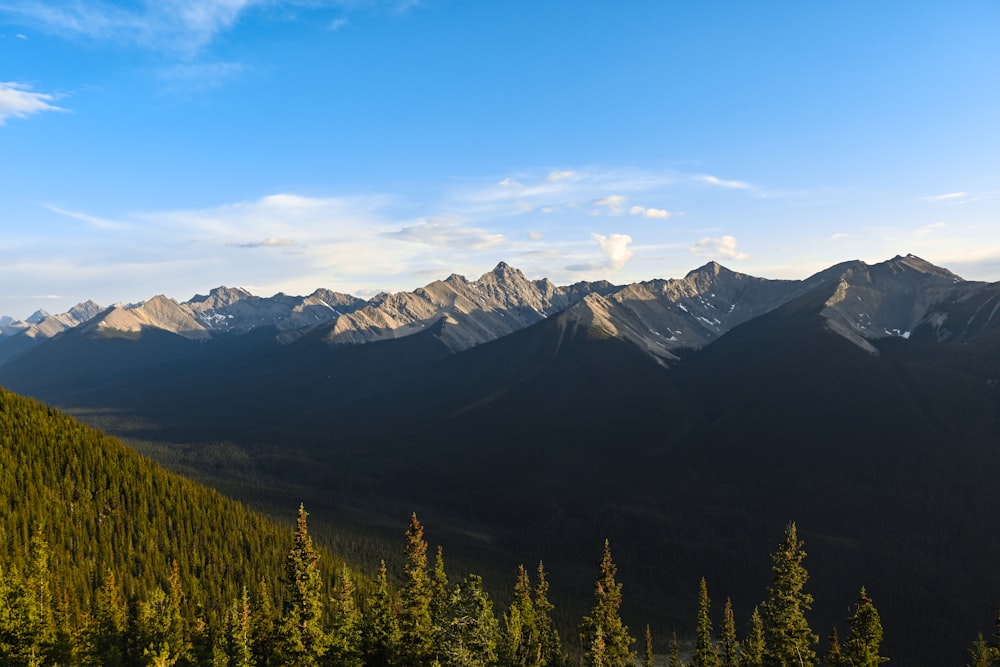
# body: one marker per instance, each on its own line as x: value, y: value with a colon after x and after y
x: 226, y: 295
x: 712, y: 268
x: 920, y: 265
x: 37, y: 316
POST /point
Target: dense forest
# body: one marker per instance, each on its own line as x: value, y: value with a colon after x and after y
x: 110, y: 560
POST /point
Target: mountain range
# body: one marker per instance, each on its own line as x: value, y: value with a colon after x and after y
x: 686, y: 419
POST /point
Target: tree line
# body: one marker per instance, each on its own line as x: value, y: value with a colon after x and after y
x: 106, y: 559
x: 425, y: 621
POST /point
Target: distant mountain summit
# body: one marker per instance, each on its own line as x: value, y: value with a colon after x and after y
x: 866, y: 302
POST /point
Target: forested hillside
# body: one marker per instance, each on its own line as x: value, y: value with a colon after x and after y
x: 109, y: 560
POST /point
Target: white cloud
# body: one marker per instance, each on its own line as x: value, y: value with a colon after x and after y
x: 18, y: 101
x: 714, y: 180
x: 650, y: 212
x: 614, y: 203
x: 92, y: 220
x: 951, y: 196
x: 337, y: 24
x: 535, y: 236
x: 715, y: 248
x: 510, y: 183
x: 178, y: 25
x: 615, y: 249
x: 266, y: 243
x: 447, y: 232
x: 556, y: 176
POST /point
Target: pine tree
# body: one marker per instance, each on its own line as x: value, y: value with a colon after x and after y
x: 381, y: 631
x: 834, y: 653
x: 550, y: 652
x: 980, y: 653
x: 107, y: 633
x: 440, y: 608
x: 263, y: 627
x: 605, y: 618
x: 302, y: 637
x: 521, y: 642
x: 675, y: 651
x: 345, y: 624
x: 865, y: 635
x: 788, y: 640
x: 648, y: 660
x: 472, y: 633
x: 729, y: 646
x: 416, y: 634
x: 705, y: 653
x: 17, y: 624
x: 239, y: 633
x: 752, y: 649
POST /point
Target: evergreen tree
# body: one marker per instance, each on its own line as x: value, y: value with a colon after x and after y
x: 521, y: 645
x: 440, y: 608
x: 263, y: 628
x: 302, y: 637
x: 729, y: 646
x: 980, y: 653
x: 415, y: 624
x: 239, y: 633
x: 752, y: 649
x: 788, y: 640
x: 550, y: 652
x: 865, y: 634
x: 107, y: 633
x: 17, y: 622
x: 345, y: 631
x: 605, y: 618
x: 705, y: 653
x: 675, y: 651
x: 834, y: 653
x: 472, y: 633
x: 381, y: 631
x: 648, y: 658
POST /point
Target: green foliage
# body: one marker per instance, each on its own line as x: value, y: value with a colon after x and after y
x: 380, y: 638
x: 647, y: 659
x: 788, y: 640
x: 865, y: 636
x: 345, y: 624
x: 303, y: 637
x: 752, y: 648
x: 834, y: 653
x: 472, y: 634
x: 416, y: 628
x: 729, y: 645
x: 705, y: 653
x: 603, y: 630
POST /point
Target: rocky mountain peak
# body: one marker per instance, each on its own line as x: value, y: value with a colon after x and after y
x: 37, y: 316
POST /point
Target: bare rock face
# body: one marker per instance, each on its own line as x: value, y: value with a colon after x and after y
x: 160, y: 312
x: 664, y: 316
x: 886, y: 299
x: 498, y: 303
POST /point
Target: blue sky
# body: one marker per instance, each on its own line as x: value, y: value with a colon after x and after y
x: 171, y: 146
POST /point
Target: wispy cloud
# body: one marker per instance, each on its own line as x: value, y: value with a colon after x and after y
x: 17, y: 100
x: 266, y: 243
x: 951, y: 196
x: 650, y: 212
x: 615, y: 204
x: 722, y: 183
x: 177, y: 25
x: 447, y: 232
x: 716, y: 248
x: 92, y: 220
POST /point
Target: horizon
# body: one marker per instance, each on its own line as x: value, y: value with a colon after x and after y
x: 282, y: 145
x: 206, y: 292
